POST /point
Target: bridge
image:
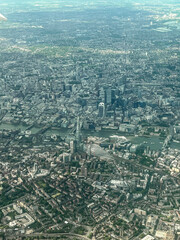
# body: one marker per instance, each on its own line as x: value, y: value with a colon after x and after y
x: 43, y: 130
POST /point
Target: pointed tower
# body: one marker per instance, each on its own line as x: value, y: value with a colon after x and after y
x: 78, y: 130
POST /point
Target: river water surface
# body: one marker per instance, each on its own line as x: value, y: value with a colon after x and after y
x: 154, y: 142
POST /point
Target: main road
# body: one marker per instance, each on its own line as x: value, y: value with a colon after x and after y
x: 47, y: 235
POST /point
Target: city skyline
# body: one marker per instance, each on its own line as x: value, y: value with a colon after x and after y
x: 90, y: 120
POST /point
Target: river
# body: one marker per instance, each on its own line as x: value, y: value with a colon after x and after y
x: 154, y: 142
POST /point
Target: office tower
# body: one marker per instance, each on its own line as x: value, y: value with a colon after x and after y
x: 73, y: 146
x: 78, y: 130
x: 66, y: 157
x: 84, y: 171
x: 101, y: 109
x: 108, y: 96
x: 102, y: 95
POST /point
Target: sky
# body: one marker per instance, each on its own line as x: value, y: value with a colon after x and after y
x: 10, y: 6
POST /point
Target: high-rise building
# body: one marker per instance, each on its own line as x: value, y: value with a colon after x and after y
x: 84, y: 171
x: 101, y: 109
x: 78, y: 134
x: 108, y: 96
x: 78, y: 129
x: 66, y: 157
x: 73, y: 146
x: 102, y: 95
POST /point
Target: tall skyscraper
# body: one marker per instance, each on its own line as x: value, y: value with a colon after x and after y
x: 102, y: 95
x: 78, y: 131
x: 101, y: 109
x: 73, y: 146
x: 108, y: 96
x: 84, y: 171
